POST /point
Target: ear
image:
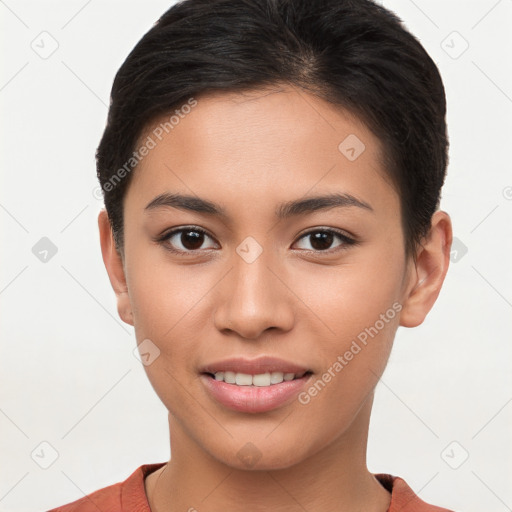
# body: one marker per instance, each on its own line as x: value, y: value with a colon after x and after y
x: 115, y: 268
x: 427, y: 275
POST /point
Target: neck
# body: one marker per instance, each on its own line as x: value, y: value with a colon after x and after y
x: 334, y: 478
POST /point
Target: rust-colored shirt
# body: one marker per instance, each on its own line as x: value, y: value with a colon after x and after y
x: 130, y: 495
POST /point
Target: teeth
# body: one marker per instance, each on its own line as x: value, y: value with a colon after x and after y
x: 229, y: 377
x: 262, y: 379
x: 277, y: 377
x: 243, y: 379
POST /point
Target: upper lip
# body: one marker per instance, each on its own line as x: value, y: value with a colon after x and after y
x: 256, y: 366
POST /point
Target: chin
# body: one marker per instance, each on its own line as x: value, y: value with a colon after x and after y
x: 260, y: 455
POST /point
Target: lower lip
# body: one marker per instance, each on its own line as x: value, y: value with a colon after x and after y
x: 254, y: 398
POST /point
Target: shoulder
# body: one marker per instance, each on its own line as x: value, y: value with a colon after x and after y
x: 403, y: 498
x: 126, y: 496
x: 107, y: 498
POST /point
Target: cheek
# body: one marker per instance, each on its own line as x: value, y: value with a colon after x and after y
x: 358, y: 305
x: 165, y: 307
x: 352, y: 296
x: 164, y: 296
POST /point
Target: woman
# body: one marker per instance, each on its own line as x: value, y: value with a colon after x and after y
x: 271, y: 171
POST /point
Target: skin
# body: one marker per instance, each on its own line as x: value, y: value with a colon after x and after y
x: 248, y: 153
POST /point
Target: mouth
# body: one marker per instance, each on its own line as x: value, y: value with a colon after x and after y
x: 254, y: 385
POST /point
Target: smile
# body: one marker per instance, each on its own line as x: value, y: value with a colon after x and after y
x: 254, y: 393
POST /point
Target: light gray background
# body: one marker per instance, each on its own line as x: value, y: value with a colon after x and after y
x: 69, y: 376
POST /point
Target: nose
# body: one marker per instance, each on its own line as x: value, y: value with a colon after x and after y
x: 254, y: 298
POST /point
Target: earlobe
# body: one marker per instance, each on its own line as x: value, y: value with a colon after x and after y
x: 428, y: 274
x: 115, y: 268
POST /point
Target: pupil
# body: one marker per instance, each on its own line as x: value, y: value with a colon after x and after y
x: 321, y: 241
x: 191, y: 238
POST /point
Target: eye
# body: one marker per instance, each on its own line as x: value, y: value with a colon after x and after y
x: 322, y: 239
x: 187, y: 240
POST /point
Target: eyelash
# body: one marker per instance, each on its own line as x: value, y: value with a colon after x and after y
x: 164, y: 240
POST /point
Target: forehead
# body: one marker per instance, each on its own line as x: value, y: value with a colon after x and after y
x: 256, y: 146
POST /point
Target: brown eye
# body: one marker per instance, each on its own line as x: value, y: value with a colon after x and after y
x: 191, y: 240
x: 321, y: 240
x: 185, y: 240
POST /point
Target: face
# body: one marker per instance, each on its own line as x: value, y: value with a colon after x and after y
x: 320, y: 287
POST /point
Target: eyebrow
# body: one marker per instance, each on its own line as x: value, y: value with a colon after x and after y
x: 284, y: 210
